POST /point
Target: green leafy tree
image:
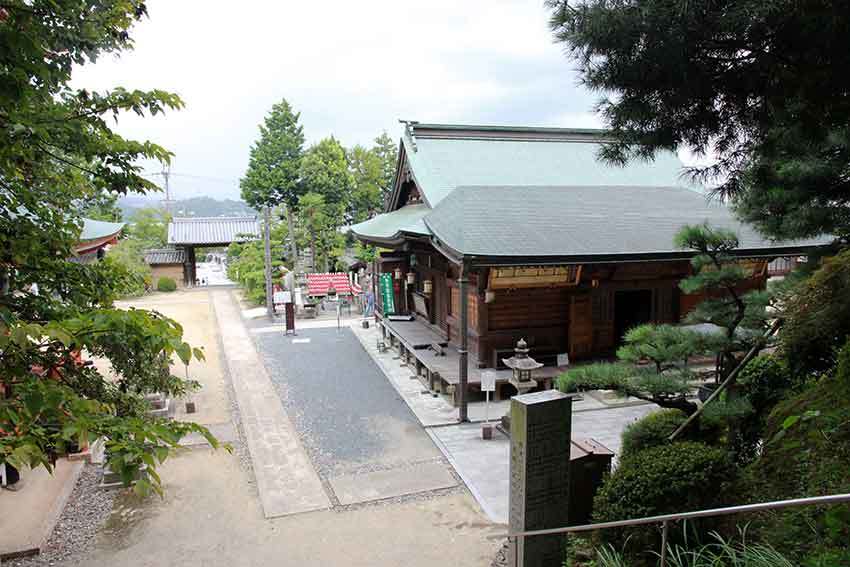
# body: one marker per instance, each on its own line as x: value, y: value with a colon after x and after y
x: 387, y: 151
x: 367, y: 195
x: 757, y: 85
x: 102, y: 207
x: 325, y: 172
x: 313, y: 212
x: 149, y: 228
x: 246, y: 263
x: 272, y: 177
x: 128, y: 255
x: 56, y: 151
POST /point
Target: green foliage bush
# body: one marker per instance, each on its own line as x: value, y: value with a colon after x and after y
x: 660, y: 480
x: 653, y: 430
x: 806, y: 453
x: 817, y: 316
x: 765, y: 381
x: 166, y: 284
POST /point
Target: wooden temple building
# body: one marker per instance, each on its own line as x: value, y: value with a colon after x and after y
x: 493, y: 234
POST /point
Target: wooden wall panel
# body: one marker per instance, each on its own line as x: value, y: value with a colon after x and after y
x: 603, y: 321
x: 581, y: 326
x: 528, y: 308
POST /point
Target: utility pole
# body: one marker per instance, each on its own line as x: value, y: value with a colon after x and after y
x: 166, y: 172
x: 267, y: 244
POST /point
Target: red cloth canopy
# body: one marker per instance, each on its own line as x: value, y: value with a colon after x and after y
x: 318, y: 284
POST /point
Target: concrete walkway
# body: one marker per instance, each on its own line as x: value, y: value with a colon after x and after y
x: 485, y: 465
x: 286, y: 481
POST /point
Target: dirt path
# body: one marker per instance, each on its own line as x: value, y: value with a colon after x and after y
x: 211, y: 514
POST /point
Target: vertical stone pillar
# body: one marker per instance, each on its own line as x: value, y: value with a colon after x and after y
x: 539, y: 482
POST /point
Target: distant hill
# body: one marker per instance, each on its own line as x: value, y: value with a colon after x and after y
x: 192, y: 207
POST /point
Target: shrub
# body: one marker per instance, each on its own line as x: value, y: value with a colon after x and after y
x: 765, y: 381
x: 166, y: 284
x: 806, y: 453
x: 653, y: 430
x: 680, y: 477
x: 721, y: 552
x: 817, y: 316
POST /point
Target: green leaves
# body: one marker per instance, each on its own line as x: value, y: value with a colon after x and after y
x: 272, y: 177
x: 58, y: 157
x: 779, y: 141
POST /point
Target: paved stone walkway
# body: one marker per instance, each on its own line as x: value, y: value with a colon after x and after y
x: 360, y: 435
x: 485, y: 465
x: 286, y: 480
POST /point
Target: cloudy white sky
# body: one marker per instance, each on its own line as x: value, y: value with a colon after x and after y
x: 351, y: 68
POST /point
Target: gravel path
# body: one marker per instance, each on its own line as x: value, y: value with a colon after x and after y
x: 86, y: 511
x: 350, y: 418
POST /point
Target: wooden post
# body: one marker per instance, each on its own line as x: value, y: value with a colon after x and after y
x: 267, y: 252
x: 463, y: 363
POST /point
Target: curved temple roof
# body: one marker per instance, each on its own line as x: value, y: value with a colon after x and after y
x: 212, y: 230
x: 502, y: 193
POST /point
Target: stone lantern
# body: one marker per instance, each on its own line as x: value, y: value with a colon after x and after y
x: 522, y: 366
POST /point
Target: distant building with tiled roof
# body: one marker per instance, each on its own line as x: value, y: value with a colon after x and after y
x: 167, y: 262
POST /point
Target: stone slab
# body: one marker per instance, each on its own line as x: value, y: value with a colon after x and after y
x: 28, y: 516
x: 378, y: 485
x: 286, y: 480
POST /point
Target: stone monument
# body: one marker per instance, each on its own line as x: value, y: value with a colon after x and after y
x: 539, y: 482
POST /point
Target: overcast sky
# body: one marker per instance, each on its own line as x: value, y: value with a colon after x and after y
x: 352, y: 69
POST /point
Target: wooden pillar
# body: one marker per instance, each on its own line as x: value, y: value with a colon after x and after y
x: 190, y: 265
x: 463, y: 361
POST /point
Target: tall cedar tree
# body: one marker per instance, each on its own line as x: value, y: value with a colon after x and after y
x: 762, y: 86
x: 272, y: 177
x: 57, y: 151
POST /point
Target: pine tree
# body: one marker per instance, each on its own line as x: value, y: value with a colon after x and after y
x: 761, y: 86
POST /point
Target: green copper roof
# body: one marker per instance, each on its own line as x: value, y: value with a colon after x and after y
x: 443, y: 158
x: 390, y: 226
x: 501, y: 193
x: 94, y: 229
x: 582, y: 221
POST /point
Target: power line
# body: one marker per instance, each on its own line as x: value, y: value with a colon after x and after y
x: 203, y: 177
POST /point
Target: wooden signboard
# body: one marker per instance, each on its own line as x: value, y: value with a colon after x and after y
x: 534, y: 276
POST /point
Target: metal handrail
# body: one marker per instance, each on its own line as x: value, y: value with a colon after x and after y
x: 667, y: 518
x: 811, y: 501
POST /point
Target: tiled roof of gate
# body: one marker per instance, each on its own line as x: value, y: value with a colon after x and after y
x: 165, y: 256
x: 212, y: 230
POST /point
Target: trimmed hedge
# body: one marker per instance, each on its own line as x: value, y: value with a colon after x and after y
x: 680, y: 477
x: 653, y: 429
x: 166, y: 284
